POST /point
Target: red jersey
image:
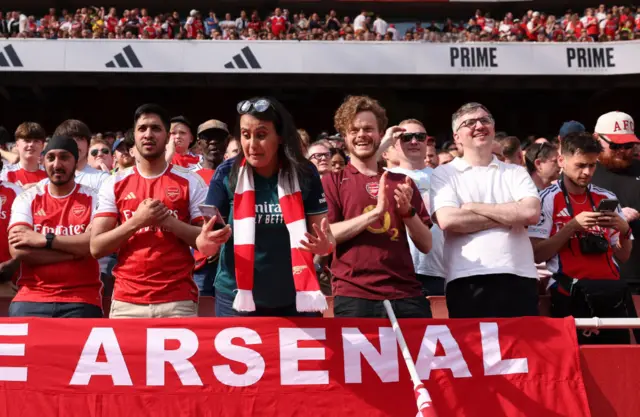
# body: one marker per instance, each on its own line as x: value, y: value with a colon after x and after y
x: 8, y: 193
x: 111, y: 23
x: 151, y: 31
x: 20, y: 176
x: 481, y: 21
x: 592, y: 25
x: 610, y: 27
x: 207, y: 175
x: 278, y: 24
x: 76, y: 281
x: 377, y: 263
x: 154, y: 266
x: 569, y: 260
x: 187, y: 160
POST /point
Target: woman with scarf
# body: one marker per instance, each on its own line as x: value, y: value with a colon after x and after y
x: 272, y: 200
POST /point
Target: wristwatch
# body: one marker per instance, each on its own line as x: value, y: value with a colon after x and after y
x: 411, y: 213
x: 49, y: 237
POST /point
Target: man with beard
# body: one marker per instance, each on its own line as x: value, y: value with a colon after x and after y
x: 619, y: 172
x: 484, y: 206
x: 212, y: 138
x: 122, y: 152
x: 49, y: 235
x: 371, y: 216
x: 85, y: 174
x: 571, y: 221
x: 150, y: 214
x: 411, y: 148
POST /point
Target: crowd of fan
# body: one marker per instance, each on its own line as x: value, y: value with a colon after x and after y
x: 596, y: 24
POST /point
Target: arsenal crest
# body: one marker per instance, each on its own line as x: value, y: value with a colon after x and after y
x: 172, y: 193
x: 3, y: 199
x: 373, y: 188
x: 78, y: 210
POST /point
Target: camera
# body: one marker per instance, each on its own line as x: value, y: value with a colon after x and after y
x: 591, y: 244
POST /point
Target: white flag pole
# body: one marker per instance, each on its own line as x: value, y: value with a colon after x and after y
x: 423, y: 399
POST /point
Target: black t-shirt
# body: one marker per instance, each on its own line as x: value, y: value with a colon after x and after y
x: 626, y: 186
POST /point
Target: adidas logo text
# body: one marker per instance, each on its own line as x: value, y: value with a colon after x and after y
x: 130, y: 196
x: 119, y: 60
x: 13, y: 57
x: 240, y: 62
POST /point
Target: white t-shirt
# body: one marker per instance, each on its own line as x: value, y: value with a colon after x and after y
x: 358, y: 23
x: 501, y: 250
x: 430, y: 264
x: 380, y: 27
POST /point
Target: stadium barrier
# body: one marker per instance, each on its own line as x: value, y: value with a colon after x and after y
x: 319, y: 57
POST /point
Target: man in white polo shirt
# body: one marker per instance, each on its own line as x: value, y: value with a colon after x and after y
x: 484, y: 207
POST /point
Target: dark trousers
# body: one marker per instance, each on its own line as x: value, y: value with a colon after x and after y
x: 561, y: 307
x: 492, y: 295
x: 224, y: 308
x: 404, y: 308
x: 204, y: 278
x: 431, y: 285
x: 54, y: 310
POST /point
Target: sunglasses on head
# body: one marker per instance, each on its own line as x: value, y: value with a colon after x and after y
x: 407, y: 137
x: 540, y: 148
x: 618, y: 146
x: 95, y: 152
x: 260, y: 105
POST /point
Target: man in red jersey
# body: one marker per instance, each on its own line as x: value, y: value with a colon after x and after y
x: 150, y: 214
x: 583, y: 243
x: 29, y: 142
x: 8, y: 266
x: 49, y: 235
x: 370, y: 215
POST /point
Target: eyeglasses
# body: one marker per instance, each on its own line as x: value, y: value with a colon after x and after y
x: 95, y: 152
x: 260, y: 105
x: 471, y: 123
x: 618, y: 146
x: 321, y: 155
x: 408, y: 137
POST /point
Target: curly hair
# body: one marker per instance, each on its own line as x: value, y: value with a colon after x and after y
x: 353, y: 105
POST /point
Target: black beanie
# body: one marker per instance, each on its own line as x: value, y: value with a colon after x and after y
x: 65, y: 143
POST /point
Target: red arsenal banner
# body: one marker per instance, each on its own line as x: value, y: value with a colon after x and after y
x: 280, y: 367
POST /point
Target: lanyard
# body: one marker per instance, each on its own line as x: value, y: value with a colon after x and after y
x: 567, y: 200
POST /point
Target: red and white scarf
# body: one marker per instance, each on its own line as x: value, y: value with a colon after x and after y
x: 308, y: 294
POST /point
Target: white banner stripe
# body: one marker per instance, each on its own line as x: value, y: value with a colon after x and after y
x: 244, y: 231
x: 14, y: 329
x: 11, y: 349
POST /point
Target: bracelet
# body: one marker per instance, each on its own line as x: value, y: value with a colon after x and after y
x: 628, y: 234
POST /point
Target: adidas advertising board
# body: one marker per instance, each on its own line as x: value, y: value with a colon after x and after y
x: 284, y: 57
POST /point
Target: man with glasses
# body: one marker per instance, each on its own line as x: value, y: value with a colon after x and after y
x: 484, y: 206
x: 542, y: 164
x: 319, y: 154
x: 619, y: 172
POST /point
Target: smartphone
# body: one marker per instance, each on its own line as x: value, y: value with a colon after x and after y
x: 608, y: 205
x: 209, y: 211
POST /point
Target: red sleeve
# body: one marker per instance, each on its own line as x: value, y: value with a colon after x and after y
x: 418, y: 204
x: 331, y: 193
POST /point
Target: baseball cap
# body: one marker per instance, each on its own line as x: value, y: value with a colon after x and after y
x: 213, y: 125
x: 117, y: 143
x: 616, y: 127
x: 186, y: 122
x: 571, y: 127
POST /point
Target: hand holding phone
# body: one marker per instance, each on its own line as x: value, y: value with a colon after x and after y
x: 209, y: 212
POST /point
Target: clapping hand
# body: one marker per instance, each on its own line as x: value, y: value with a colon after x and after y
x: 323, y: 243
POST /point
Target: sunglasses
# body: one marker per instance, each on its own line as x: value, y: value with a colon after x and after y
x: 95, y: 152
x: 618, y: 146
x: 408, y: 137
x: 540, y: 148
x: 260, y: 105
x: 471, y: 123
